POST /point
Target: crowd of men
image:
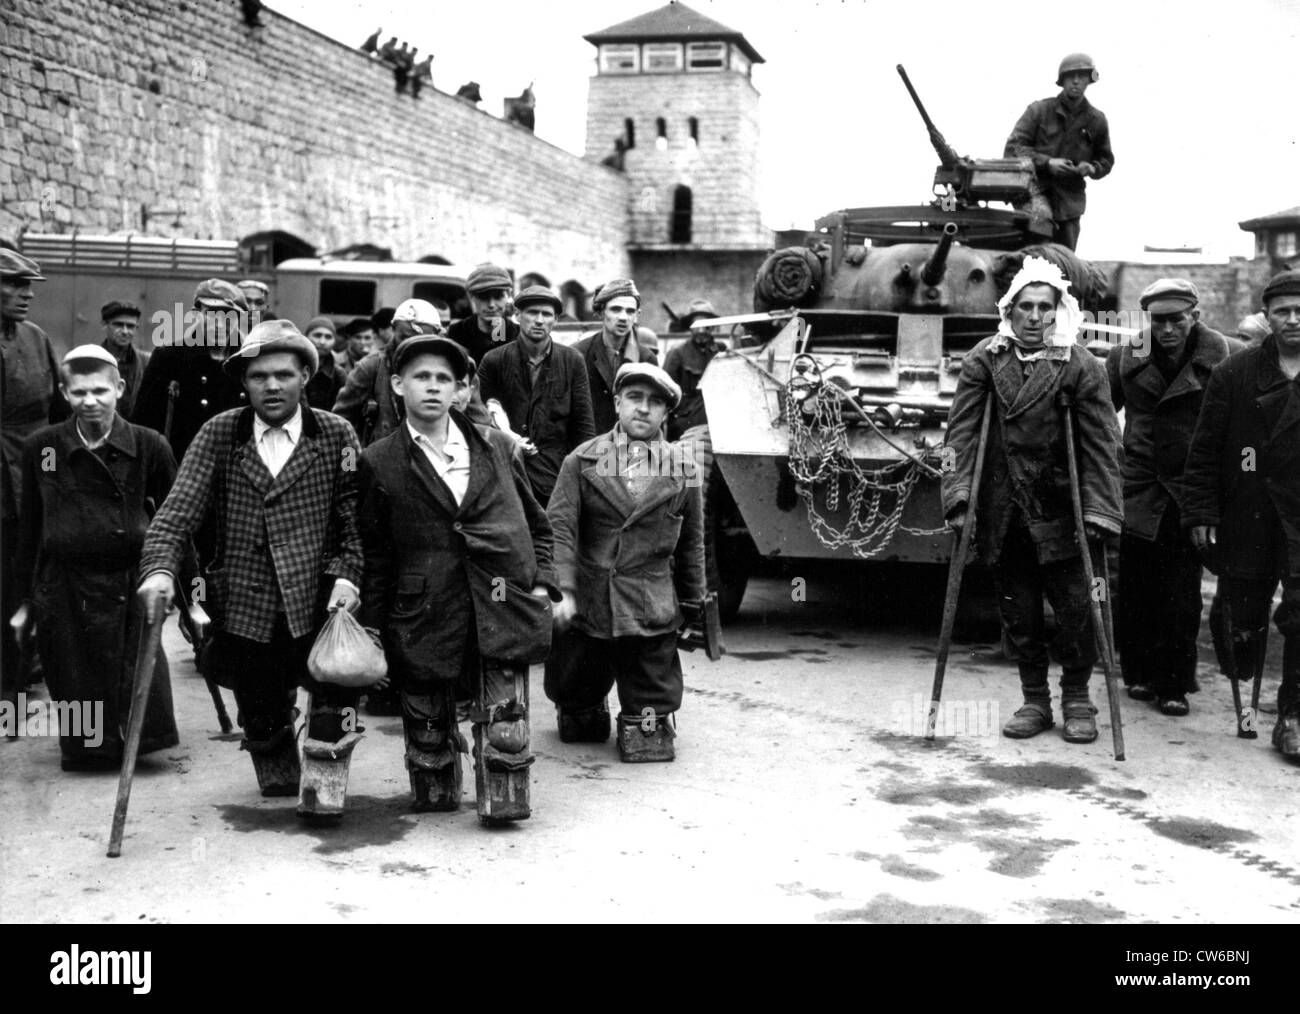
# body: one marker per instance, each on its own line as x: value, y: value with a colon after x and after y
x: 479, y: 513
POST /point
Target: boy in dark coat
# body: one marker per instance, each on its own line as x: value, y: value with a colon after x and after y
x: 1242, y: 489
x: 629, y: 548
x: 1159, y: 380
x: 458, y: 579
x: 90, y: 486
x: 1026, y: 528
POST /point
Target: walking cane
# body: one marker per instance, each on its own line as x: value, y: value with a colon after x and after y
x: 1100, y: 628
x: 150, y: 639
x: 956, y: 567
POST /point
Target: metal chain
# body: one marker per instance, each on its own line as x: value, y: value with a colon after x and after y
x: 820, y: 455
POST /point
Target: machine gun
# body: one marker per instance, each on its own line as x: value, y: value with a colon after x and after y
x: 966, y: 181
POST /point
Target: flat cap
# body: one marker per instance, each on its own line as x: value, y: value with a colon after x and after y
x: 653, y: 375
x: 95, y: 352
x: 698, y: 309
x: 434, y: 345
x: 489, y: 276
x: 613, y: 290
x: 216, y: 294
x: 419, y: 313
x: 273, y: 336
x: 1169, y: 295
x: 15, y: 265
x: 253, y: 283
x: 1286, y: 283
x: 118, y: 308
x: 538, y: 294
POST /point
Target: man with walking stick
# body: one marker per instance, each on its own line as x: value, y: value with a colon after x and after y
x: 1243, y: 498
x: 1026, y: 528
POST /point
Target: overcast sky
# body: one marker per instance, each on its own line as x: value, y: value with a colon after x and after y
x: 1202, y: 98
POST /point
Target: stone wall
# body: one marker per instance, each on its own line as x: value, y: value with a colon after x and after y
x: 178, y: 107
x: 1228, y: 291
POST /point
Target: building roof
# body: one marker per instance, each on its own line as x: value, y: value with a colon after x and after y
x: 674, y: 22
x: 1291, y: 216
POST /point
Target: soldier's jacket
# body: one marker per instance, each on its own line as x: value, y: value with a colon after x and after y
x: 1243, y: 471
x: 1159, y: 418
x: 628, y: 562
x: 281, y: 541
x: 1048, y: 129
x: 1025, y: 466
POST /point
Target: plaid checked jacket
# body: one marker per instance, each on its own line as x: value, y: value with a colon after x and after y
x: 283, y: 533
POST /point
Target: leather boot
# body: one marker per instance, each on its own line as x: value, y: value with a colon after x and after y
x: 1032, y: 717
x: 584, y: 725
x: 1286, y: 731
x: 1080, y: 721
x: 646, y: 739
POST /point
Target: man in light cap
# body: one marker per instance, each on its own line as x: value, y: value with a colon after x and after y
x: 258, y: 297
x: 1253, y: 329
x: 121, y: 322
x: 490, y: 326
x: 458, y: 579
x: 1242, y: 492
x: 686, y: 365
x: 367, y: 400
x: 1026, y: 530
x: 90, y: 486
x: 29, y: 400
x: 184, y: 385
x: 539, y: 390
x: 281, y: 478
x: 1069, y: 142
x: 618, y: 341
x: 629, y: 548
x: 1159, y: 380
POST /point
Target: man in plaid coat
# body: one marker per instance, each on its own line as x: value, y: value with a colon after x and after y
x: 280, y: 480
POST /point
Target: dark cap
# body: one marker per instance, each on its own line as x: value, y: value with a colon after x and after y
x: 613, y: 290
x: 117, y: 308
x: 432, y: 344
x: 15, y: 265
x: 356, y: 325
x: 1169, y: 295
x: 215, y: 294
x: 1287, y: 283
x: 538, y: 294
x: 486, y: 277
x: 383, y: 317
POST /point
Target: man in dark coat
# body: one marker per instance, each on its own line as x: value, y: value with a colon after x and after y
x: 90, y: 486
x: 29, y: 400
x: 1026, y: 529
x: 686, y: 365
x: 1069, y: 142
x: 1242, y: 495
x: 326, y: 383
x: 489, y: 326
x: 619, y: 341
x: 458, y: 579
x: 540, y: 390
x: 281, y: 481
x: 1159, y: 380
x: 629, y: 548
x: 121, y: 322
x: 185, y: 371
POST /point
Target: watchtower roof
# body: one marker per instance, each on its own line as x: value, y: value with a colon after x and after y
x: 673, y: 22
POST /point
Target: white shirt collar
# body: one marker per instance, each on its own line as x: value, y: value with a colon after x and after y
x: 455, y: 438
x: 292, y: 427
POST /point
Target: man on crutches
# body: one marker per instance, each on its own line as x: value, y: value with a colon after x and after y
x: 1026, y: 530
x: 1242, y: 489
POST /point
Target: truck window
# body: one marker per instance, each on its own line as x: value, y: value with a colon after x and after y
x: 351, y: 297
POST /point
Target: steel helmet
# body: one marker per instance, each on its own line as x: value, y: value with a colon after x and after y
x: 1076, y: 61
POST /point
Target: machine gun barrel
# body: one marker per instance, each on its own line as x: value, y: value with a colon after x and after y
x: 948, y: 157
x: 932, y: 273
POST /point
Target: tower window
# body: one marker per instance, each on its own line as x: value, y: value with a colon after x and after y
x: 661, y: 133
x: 662, y: 57
x: 679, y: 226
x: 620, y: 59
x: 629, y: 133
x: 694, y: 126
x: 706, y: 56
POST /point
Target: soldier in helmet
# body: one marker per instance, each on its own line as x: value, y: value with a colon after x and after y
x: 1069, y: 141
